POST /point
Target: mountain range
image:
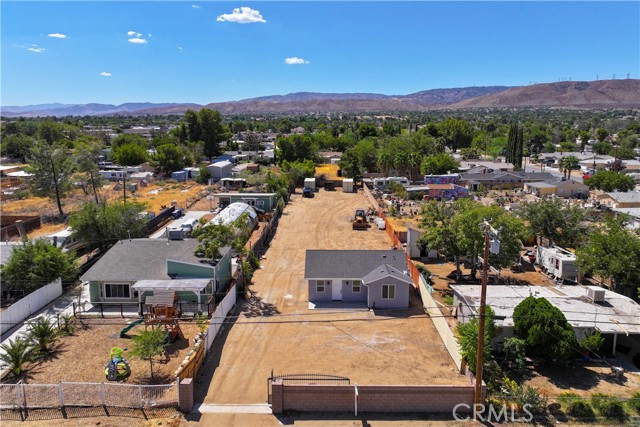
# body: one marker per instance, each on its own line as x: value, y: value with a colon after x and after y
x: 571, y: 94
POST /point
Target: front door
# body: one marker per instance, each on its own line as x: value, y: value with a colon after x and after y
x: 336, y: 291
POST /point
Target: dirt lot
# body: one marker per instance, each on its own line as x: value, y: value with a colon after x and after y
x: 82, y: 356
x: 276, y: 329
x: 154, y: 195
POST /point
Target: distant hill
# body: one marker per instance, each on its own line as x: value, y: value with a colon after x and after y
x: 61, y: 110
x: 594, y: 94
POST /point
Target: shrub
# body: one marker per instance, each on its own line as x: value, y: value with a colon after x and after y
x: 634, y: 402
x: 581, y: 410
x: 16, y: 354
x: 567, y: 397
x: 66, y: 326
x: 42, y: 333
x: 612, y: 408
x: 514, y: 354
x: 522, y: 395
x: 423, y: 270
x: 592, y: 342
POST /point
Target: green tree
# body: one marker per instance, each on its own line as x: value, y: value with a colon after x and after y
x: 17, y: 353
x: 612, y: 252
x: 467, y: 334
x: 50, y: 131
x: 298, y: 170
x: 367, y: 130
x: 568, y: 164
x: 350, y: 164
x: 252, y: 142
x: 213, y: 131
x: 439, y: 232
x: 296, y: 147
x: 86, y: 157
x: 43, y: 333
x: 470, y: 237
x: 607, y: 181
x: 51, y: 168
x: 602, y: 134
x: 456, y: 133
x: 148, y: 344
x: 130, y: 154
x: 17, y: 146
x: 602, y: 148
x: 170, y: 158
x: 439, y: 164
x: 129, y: 138
x: 552, y: 219
x: 101, y: 226
x: 35, y: 263
x: 545, y: 330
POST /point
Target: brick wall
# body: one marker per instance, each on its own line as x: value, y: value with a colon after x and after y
x: 372, y: 398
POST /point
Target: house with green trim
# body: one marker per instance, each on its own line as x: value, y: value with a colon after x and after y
x: 263, y: 201
x: 133, y: 269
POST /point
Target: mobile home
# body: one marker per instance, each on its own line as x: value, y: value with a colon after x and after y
x: 558, y: 262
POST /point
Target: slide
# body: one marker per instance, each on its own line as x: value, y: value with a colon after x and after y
x: 123, y: 333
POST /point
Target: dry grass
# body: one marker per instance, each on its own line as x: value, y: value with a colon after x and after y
x: 82, y: 356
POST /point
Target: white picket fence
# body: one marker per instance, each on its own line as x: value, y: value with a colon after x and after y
x: 16, y: 396
x: 440, y: 322
x: 219, y: 315
x: 30, y: 304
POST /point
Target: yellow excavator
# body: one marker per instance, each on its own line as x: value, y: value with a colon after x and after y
x: 360, y: 220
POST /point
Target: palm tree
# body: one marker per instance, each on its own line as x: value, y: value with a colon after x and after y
x: 16, y: 353
x: 569, y: 164
x: 385, y: 161
x: 42, y: 333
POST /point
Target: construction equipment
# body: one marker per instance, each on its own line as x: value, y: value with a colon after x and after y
x: 360, y: 220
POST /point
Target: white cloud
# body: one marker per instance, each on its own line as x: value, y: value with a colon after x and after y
x: 36, y: 49
x: 105, y: 74
x: 130, y: 33
x: 242, y: 15
x: 57, y: 36
x: 179, y: 47
x: 195, y: 6
x: 295, y: 61
x: 138, y: 40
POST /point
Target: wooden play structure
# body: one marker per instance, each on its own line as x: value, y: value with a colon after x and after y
x: 162, y: 310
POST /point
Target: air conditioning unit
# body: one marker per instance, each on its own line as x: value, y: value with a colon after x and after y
x: 595, y: 294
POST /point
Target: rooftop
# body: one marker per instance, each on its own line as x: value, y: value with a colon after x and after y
x: 618, y: 314
x: 349, y: 264
x: 629, y: 196
x: 385, y: 270
x: 142, y: 259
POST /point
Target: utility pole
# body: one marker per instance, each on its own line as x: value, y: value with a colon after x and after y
x: 491, y: 244
x: 124, y: 184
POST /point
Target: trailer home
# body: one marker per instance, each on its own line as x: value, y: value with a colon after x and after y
x: 558, y: 262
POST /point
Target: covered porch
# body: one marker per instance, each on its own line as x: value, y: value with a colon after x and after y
x: 182, y: 287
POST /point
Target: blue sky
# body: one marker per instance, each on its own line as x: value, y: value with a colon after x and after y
x: 202, y: 52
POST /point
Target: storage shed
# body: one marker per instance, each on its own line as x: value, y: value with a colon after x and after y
x: 347, y: 185
x: 219, y: 170
x: 310, y: 182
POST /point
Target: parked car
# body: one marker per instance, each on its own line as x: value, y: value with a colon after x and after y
x: 530, y: 256
x: 307, y: 192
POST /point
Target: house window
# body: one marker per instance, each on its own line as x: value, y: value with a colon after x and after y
x: 356, y: 285
x: 260, y: 202
x: 116, y: 291
x: 320, y: 286
x: 388, y: 291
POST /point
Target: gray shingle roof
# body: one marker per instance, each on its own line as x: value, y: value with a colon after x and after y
x: 385, y: 270
x: 625, y: 197
x: 141, y: 259
x: 353, y: 264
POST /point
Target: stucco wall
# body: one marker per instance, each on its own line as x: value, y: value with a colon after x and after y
x: 401, y: 299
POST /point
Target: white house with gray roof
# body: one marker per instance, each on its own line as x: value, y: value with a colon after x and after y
x: 378, y: 278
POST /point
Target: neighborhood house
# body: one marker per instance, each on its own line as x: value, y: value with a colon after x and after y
x: 377, y: 277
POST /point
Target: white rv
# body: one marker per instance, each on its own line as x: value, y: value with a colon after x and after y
x: 558, y: 262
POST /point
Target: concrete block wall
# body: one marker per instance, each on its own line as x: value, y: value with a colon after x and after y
x: 371, y: 398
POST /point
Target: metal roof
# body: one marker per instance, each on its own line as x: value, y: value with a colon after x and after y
x: 194, y: 285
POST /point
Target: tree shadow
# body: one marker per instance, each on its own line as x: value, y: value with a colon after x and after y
x: 568, y: 377
x: 253, y: 306
x: 158, y: 378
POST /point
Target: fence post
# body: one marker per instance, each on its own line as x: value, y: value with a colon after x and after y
x: 60, y: 394
x: 178, y: 388
x: 74, y: 309
x: 102, y: 394
x: 140, y: 396
x: 102, y: 310
x: 121, y: 311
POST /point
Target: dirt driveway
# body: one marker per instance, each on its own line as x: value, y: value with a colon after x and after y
x: 277, y: 331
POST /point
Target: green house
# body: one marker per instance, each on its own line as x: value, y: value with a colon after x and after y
x: 132, y: 269
x: 263, y: 201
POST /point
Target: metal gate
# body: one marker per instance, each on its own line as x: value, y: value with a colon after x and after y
x: 305, y: 379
